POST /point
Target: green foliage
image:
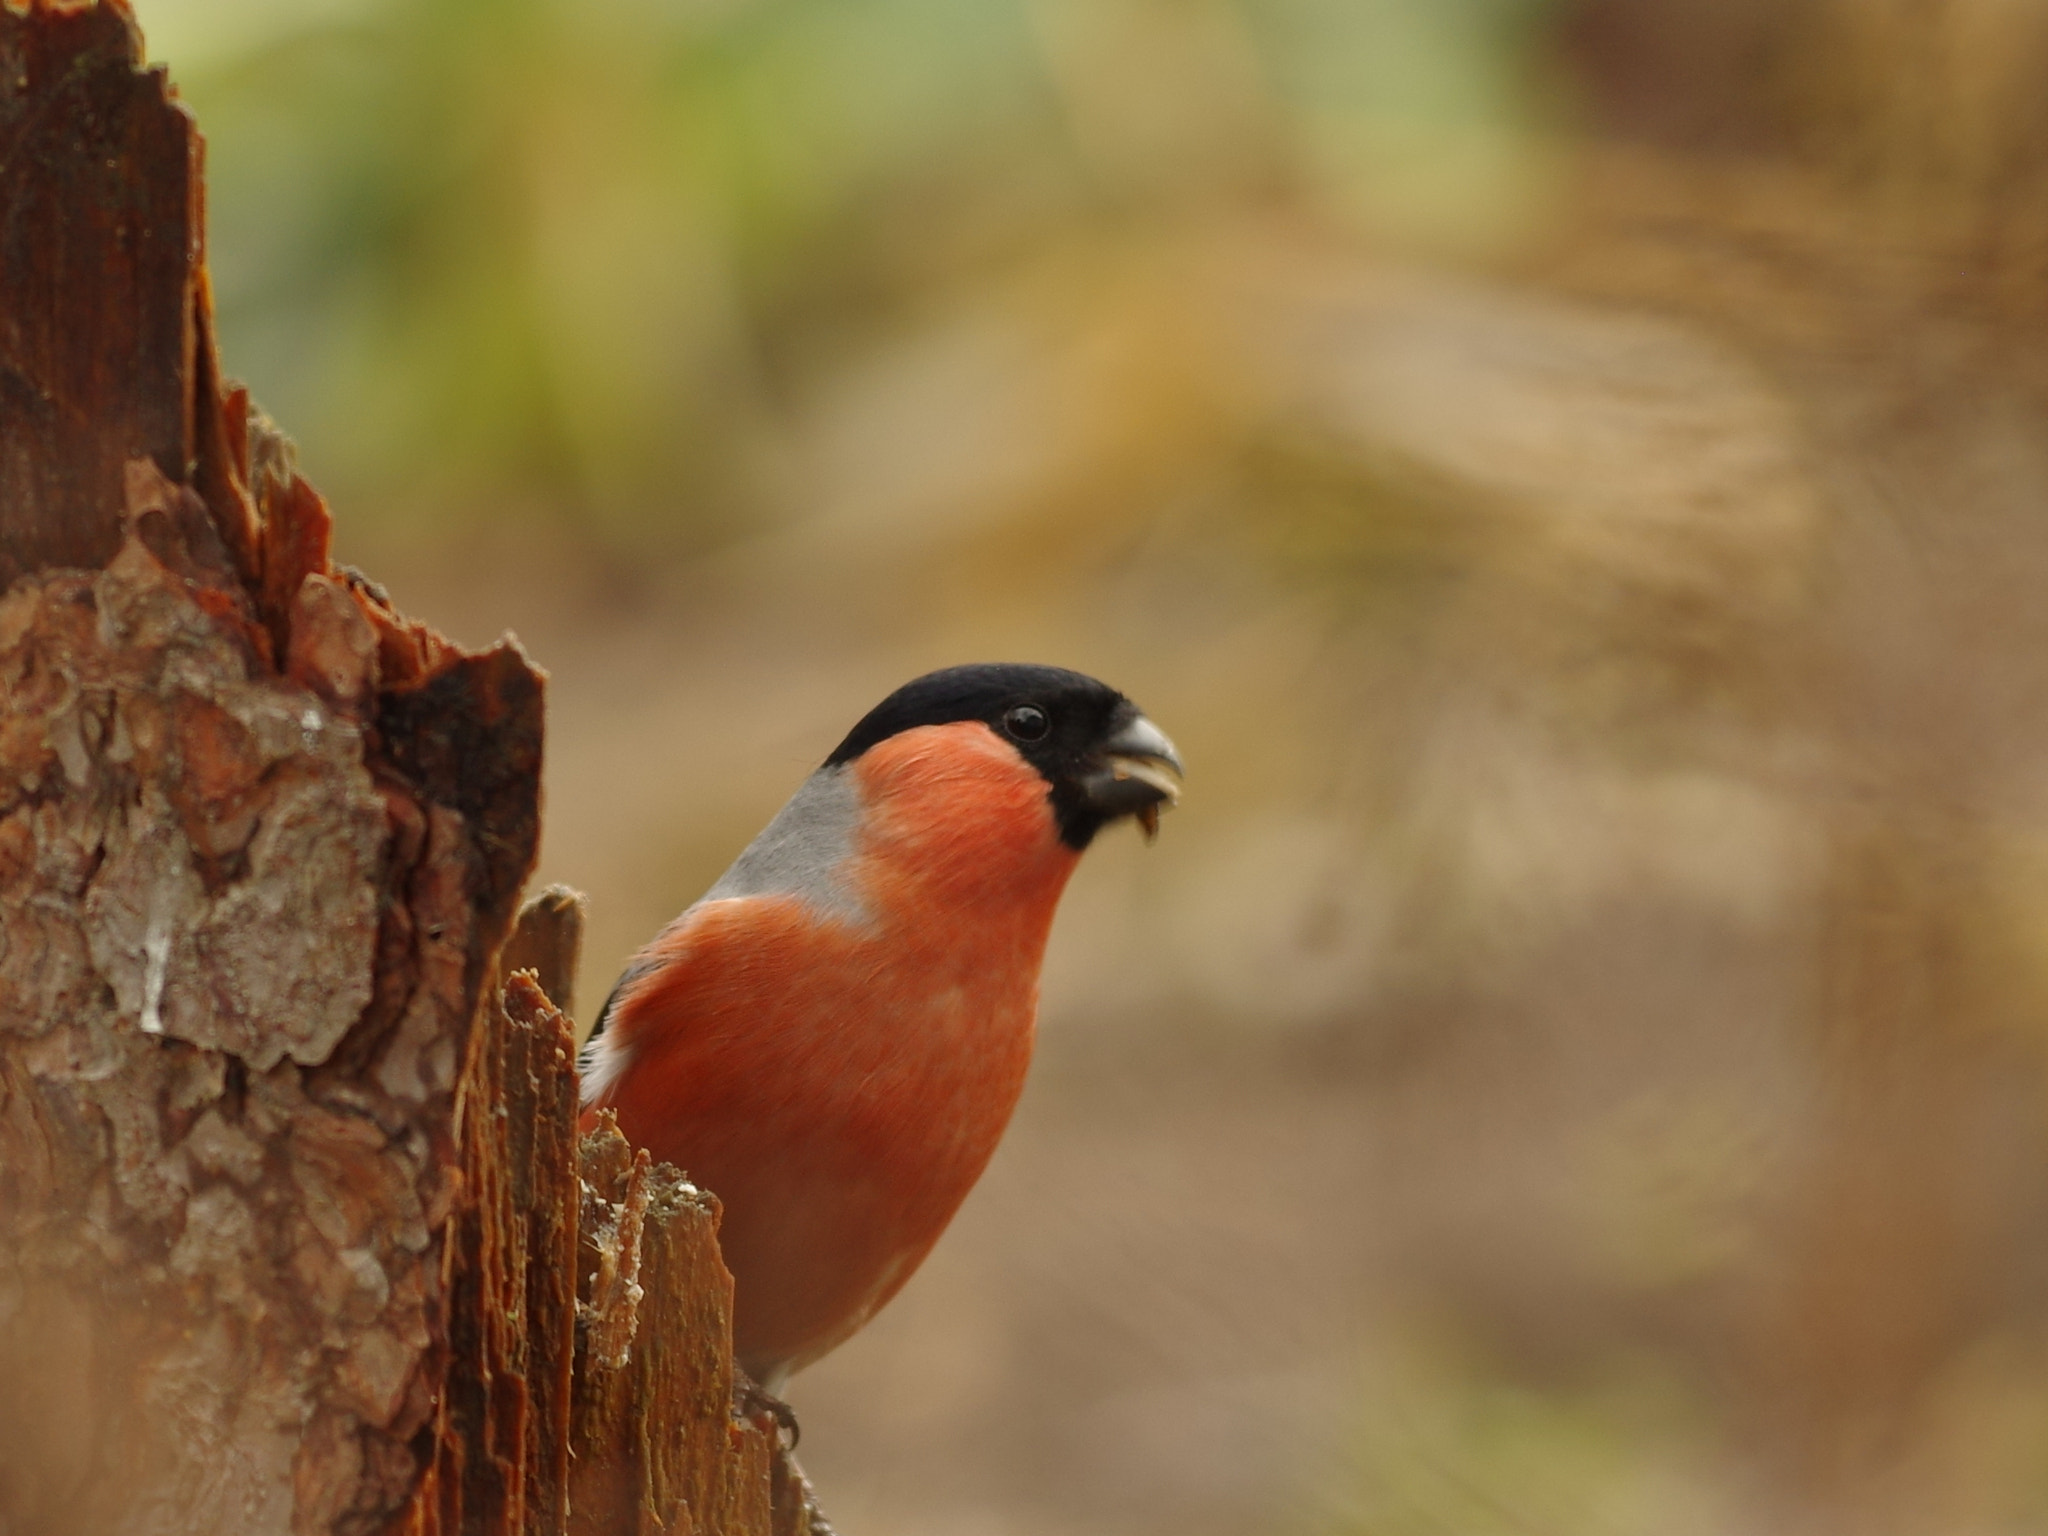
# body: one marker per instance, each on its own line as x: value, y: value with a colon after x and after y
x: 585, y: 262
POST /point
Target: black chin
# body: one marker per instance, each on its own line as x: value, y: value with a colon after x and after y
x: 1090, y: 800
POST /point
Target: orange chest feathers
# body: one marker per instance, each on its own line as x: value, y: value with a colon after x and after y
x: 878, y: 1031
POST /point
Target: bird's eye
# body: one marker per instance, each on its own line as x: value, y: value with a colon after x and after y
x: 1027, y: 722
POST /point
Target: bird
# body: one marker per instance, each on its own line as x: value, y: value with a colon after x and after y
x: 832, y: 1038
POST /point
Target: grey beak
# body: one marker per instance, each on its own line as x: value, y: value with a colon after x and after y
x: 1139, y: 738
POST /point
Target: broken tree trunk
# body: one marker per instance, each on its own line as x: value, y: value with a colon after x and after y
x: 292, y: 1233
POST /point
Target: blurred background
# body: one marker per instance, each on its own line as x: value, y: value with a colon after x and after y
x: 1572, y: 476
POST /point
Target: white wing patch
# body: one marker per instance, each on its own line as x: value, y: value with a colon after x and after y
x: 604, y: 1057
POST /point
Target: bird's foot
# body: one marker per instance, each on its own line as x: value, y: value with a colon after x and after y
x: 750, y: 1400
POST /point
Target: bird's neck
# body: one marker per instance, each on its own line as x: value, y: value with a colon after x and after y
x: 960, y: 833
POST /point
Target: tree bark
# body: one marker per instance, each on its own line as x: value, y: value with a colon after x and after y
x: 292, y: 1233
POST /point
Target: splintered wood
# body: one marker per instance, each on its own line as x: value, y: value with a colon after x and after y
x: 599, y: 1392
x: 657, y: 1444
x: 648, y: 1267
x: 295, y: 1233
x: 501, y: 1451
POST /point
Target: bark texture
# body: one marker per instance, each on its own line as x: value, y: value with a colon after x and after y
x: 292, y: 1236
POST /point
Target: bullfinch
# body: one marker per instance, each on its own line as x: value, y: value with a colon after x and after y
x: 832, y: 1039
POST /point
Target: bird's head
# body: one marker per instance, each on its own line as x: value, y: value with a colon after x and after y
x: 1100, y: 759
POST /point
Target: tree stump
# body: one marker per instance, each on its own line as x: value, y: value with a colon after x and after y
x: 295, y: 1233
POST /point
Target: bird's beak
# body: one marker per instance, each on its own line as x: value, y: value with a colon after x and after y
x: 1136, y: 772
